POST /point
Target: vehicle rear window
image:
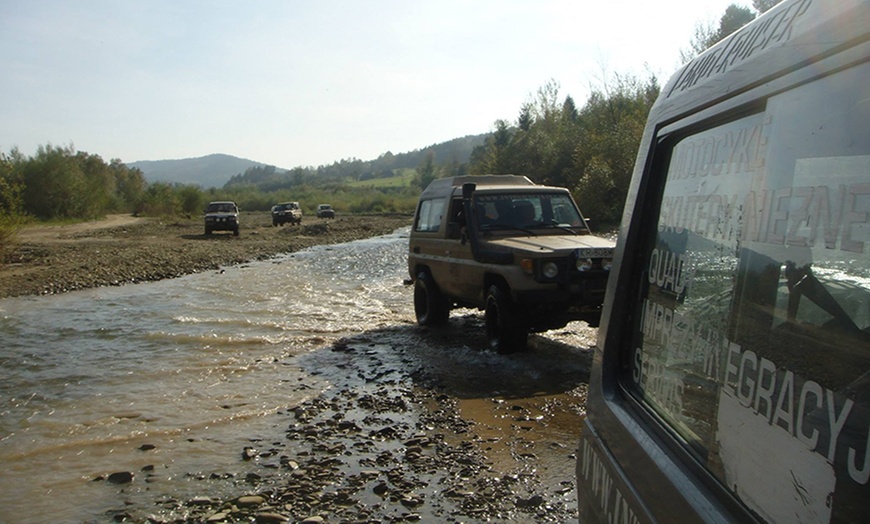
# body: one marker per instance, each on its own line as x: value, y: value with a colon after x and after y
x: 429, y: 216
x: 751, y: 335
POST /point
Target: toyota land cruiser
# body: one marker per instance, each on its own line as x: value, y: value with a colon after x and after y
x: 519, y: 251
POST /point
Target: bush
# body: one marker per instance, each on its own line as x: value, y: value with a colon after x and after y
x: 9, y: 226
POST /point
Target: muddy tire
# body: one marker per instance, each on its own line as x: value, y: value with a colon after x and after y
x: 506, y: 332
x: 430, y: 304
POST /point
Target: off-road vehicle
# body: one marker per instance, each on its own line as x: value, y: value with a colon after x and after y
x: 521, y: 252
x: 222, y: 216
x: 286, y: 213
x: 325, y: 211
x: 731, y: 378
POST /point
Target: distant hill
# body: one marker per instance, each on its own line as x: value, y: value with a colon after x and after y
x: 206, y: 171
x: 218, y: 169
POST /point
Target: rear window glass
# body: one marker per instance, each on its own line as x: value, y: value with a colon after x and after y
x: 429, y: 216
x: 751, y: 337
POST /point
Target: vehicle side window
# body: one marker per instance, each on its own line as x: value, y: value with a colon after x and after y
x: 429, y: 216
x: 751, y: 338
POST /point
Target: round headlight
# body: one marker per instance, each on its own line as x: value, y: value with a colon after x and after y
x: 584, y: 264
x: 550, y: 270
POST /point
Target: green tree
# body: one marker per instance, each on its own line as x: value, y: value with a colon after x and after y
x: 762, y: 6
x: 734, y: 18
x: 129, y: 186
x: 613, y: 121
x: 426, y: 170
x: 54, y: 184
x: 707, y: 35
x: 159, y: 199
x: 191, y: 199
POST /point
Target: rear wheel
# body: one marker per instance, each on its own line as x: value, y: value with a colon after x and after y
x: 506, y: 332
x: 430, y: 304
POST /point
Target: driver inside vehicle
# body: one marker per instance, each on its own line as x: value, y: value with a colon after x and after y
x: 523, y: 213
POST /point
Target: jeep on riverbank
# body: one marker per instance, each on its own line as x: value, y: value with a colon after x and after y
x: 521, y: 252
x: 286, y: 213
x: 222, y: 216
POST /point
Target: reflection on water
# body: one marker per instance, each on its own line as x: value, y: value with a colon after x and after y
x: 189, y: 365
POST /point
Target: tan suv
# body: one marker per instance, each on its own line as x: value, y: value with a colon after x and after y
x: 519, y: 251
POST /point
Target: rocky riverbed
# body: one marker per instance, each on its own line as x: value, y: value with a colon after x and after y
x: 387, y: 444
x: 417, y: 425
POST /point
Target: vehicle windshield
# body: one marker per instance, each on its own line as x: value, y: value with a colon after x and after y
x: 527, y: 211
x: 222, y: 207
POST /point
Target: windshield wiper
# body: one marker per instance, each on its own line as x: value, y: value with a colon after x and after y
x: 502, y: 227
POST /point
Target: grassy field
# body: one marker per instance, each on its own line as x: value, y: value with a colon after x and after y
x: 402, y: 180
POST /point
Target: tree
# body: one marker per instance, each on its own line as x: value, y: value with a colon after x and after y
x: 734, y: 18
x: 613, y: 121
x: 707, y: 35
x: 426, y: 170
x: 762, y: 6
x: 54, y: 184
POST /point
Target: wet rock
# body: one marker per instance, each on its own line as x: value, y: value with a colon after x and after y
x: 533, y: 501
x: 121, y: 477
x: 250, y: 500
x: 147, y: 447
x: 270, y: 518
x: 249, y: 453
x: 381, y: 489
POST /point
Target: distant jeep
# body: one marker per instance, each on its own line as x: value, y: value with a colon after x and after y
x: 286, y: 213
x: 521, y: 252
x: 222, y: 216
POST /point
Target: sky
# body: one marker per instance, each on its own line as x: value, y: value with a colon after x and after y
x: 305, y: 82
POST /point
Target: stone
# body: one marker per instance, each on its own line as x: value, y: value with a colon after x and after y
x: 121, y: 477
x: 250, y: 500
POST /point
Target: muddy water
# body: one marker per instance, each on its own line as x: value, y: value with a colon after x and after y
x: 180, y: 375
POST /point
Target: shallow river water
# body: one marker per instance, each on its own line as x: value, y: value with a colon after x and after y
x: 193, y: 367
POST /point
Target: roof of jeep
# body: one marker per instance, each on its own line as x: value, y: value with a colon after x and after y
x: 445, y: 186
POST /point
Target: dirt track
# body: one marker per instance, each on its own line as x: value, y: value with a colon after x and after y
x: 124, y: 249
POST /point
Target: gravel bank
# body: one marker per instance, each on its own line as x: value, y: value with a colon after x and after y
x: 49, y: 260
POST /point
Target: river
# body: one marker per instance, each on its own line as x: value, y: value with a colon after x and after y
x: 183, y: 372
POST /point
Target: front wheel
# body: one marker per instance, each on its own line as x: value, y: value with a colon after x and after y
x: 506, y: 332
x: 430, y: 304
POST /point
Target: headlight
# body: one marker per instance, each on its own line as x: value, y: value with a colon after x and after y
x: 550, y: 270
x: 584, y: 264
x: 607, y: 263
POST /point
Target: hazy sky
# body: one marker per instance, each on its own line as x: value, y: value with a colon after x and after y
x: 304, y: 83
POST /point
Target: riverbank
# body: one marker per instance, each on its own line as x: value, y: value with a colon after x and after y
x: 118, y: 250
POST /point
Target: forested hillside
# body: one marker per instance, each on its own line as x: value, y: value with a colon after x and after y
x: 456, y: 152
x: 207, y: 171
